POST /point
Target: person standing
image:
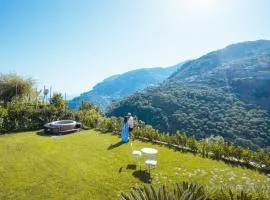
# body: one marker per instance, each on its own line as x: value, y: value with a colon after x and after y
x: 130, y: 125
x: 125, y: 130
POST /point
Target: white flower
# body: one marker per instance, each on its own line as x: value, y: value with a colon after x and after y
x: 239, y: 186
x: 215, y: 176
x: 204, y: 173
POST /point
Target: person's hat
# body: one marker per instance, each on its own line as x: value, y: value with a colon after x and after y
x: 129, y: 114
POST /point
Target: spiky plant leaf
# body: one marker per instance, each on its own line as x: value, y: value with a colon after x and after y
x: 165, y: 192
x: 148, y: 192
x: 154, y: 193
x: 141, y: 193
x: 135, y: 195
x: 231, y: 194
x: 125, y: 196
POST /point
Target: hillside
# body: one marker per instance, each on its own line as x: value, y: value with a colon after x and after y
x: 90, y: 165
x: 119, y: 86
x: 225, y: 92
x: 243, y: 68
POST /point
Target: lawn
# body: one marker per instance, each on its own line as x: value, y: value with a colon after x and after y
x: 90, y: 165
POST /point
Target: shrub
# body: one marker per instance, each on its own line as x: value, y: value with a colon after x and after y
x: 189, y: 191
x: 3, y: 114
x: 89, y: 118
x: 183, y: 191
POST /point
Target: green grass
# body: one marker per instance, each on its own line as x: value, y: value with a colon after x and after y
x: 84, y: 165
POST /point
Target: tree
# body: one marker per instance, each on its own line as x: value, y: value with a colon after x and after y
x: 86, y: 106
x: 12, y: 85
x: 192, y: 144
x: 216, y: 145
x: 202, y: 148
x: 58, y: 101
x: 260, y: 156
x: 238, y: 152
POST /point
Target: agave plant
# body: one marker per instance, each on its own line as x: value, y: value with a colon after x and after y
x: 190, y: 191
x: 181, y: 191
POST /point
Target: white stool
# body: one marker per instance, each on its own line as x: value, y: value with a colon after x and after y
x: 136, y: 154
x: 151, y: 163
x: 150, y: 155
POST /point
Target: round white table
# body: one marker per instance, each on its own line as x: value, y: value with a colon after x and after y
x: 150, y: 151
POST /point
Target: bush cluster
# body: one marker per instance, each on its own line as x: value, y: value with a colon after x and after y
x: 189, y: 191
x: 214, y: 147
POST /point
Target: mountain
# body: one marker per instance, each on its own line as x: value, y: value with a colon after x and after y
x: 119, y: 86
x: 225, y: 92
x: 243, y: 68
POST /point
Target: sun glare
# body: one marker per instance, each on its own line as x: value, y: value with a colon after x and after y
x: 201, y: 5
x: 199, y: 8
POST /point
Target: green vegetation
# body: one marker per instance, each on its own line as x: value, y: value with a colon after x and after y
x: 185, y: 191
x: 12, y: 85
x: 24, y: 110
x: 21, y: 107
x: 222, y: 93
x: 94, y: 165
x: 91, y: 165
x: 20, y: 115
x: 201, y: 112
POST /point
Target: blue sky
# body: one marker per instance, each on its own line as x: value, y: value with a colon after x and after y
x: 72, y: 45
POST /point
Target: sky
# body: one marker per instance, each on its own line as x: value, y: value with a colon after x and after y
x: 72, y: 45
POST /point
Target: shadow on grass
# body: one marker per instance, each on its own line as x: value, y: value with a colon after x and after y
x: 143, y: 176
x: 128, y: 167
x: 113, y: 146
x: 131, y: 167
x: 42, y: 133
x: 120, y: 170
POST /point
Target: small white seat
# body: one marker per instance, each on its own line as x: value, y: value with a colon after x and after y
x: 151, y: 162
x: 136, y: 153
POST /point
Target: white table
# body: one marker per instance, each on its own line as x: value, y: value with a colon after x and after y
x: 150, y: 157
x: 149, y: 151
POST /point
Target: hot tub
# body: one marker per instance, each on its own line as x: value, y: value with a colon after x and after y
x: 62, y: 126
